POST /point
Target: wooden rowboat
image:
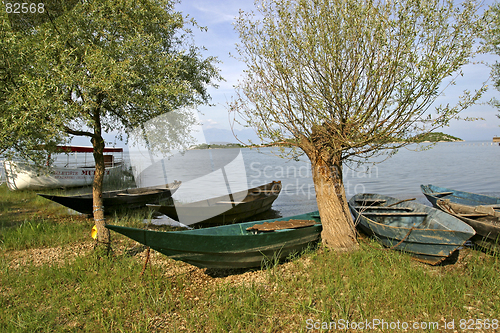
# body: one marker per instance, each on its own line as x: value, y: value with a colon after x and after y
x: 484, y: 220
x: 113, y: 201
x: 426, y: 233
x: 433, y: 193
x: 226, y: 209
x: 241, y: 245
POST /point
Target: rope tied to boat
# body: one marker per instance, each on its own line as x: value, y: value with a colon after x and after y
x: 145, y: 261
x: 408, y: 234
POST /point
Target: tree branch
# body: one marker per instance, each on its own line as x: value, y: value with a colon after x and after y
x: 75, y: 132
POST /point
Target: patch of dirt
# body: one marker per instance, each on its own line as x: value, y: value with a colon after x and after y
x: 42, y: 256
x: 198, y: 277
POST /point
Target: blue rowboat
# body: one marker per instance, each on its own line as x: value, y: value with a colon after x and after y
x: 426, y: 233
x: 241, y: 245
x: 484, y: 220
x: 481, y: 212
x: 433, y: 193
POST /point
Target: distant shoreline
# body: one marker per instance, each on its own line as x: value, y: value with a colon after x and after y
x: 427, y: 138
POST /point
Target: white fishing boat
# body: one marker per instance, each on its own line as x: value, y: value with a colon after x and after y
x: 75, y: 170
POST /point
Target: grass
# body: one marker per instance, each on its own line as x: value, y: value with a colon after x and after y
x: 317, y: 289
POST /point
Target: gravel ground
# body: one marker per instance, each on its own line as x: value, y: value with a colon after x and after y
x: 172, y: 268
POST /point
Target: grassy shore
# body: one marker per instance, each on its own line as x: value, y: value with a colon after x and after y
x: 51, y: 281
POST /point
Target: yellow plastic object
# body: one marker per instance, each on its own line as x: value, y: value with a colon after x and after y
x: 94, y: 232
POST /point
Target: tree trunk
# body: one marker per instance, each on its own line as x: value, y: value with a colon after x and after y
x: 103, y: 236
x: 338, y: 227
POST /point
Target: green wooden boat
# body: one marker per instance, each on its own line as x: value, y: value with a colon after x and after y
x: 426, y: 233
x: 232, y: 246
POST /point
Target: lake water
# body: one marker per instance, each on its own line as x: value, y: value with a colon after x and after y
x: 468, y: 166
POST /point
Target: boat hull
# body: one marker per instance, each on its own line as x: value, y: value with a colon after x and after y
x: 229, y: 246
x: 222, y: 211
x: 428, y: 234
x: 487, y: 227
x: 113, y: 201
x: 22, y: 176
x: 434, y: 193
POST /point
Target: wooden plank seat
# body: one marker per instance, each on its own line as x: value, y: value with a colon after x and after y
x: 280, y: 225
x: 230, y: 202
x: 369, y: 202
x: 395, y: 214
x: 137, y: 194
x: 441, y: 194
x: 361, y: 208
x: 473, y: 215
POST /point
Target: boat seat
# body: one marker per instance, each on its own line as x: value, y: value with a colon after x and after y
x: 230, y: 202
x: 130, y: 194
x: 473, y: 215
x: 281, y: 225
x: 381, y: 208
x: 399, y: 219
x: 441, y: 194
x: 396, y: 214
x: 371, y: 201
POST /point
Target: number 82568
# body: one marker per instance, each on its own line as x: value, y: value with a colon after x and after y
x: 24, y: 8
x: 477, y: 324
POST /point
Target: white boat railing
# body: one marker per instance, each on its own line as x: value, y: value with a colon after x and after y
x: 81, y: 160
x: 66, y: 169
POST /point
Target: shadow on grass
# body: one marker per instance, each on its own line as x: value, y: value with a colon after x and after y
x: 268, y: 264
x: 225, y: 272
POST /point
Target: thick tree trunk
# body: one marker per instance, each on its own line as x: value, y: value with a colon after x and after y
x: 338, y: 228
x: 103, y: 236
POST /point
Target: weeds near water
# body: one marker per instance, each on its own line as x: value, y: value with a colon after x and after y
x: 39, y: 232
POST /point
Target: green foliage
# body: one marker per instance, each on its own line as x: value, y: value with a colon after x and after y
x: 110, y: 65
x: 492, y: 43
x: 29, y: 14
x: 436, y: 137
x: 19, y: 131
x: 349, y: 78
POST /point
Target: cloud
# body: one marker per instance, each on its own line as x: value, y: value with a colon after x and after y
x: 209, y: 122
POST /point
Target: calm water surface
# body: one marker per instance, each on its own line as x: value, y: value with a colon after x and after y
x: 468, y: 166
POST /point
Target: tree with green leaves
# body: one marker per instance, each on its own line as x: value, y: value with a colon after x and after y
x: 345, y: 80
x: 96, y: 67
x: 492, y: 44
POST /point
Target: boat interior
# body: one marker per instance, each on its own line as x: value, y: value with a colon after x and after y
x: 487, y: 214
x: 396, y: 216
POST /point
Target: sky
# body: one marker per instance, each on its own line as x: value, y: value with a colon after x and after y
x: 220, y: 40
